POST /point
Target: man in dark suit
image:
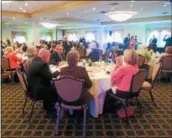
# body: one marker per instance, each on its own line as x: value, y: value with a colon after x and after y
x: 154, y: 43
x: 78, y: 72
x: 67, y: 45
x: 127, y: 41
x: 94, y: 55
x: 39, y: 80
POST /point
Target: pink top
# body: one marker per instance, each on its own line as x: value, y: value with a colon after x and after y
x: 132, y: 44
x: 122, y: 77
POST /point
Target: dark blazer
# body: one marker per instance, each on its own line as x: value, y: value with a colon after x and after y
x: 39, y: 78
x: 77, y: 72
x: 94, y: 55
x: 55, y: 58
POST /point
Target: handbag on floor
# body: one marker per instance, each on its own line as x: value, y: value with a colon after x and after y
x: 130, y: 112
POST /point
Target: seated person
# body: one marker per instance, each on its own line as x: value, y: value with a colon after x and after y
x: 31, y: 52
x: 39, y: 80
x: 121, y: 77
x: 94, y: 55
x: 78, y: 72
x: 56, y: 54
x: 81, y: 50
x: 13, y: 58
x: 117, y: 58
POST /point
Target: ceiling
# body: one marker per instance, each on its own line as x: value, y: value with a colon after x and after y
x: 73, y: 14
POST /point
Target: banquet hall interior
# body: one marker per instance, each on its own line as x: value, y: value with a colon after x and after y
x: 78, y: 69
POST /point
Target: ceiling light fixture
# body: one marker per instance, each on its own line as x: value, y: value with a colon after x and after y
x: 94, y: 8
x: 21, y: 8
x: 131, y: 6
x: 67, y: 14
x: 24, y: 10
x: 49, y: 25
x: 4, y: 2
x: 26, y: 4
x: 132, y: 1
x: 121, y: 15
x: 14, y: 18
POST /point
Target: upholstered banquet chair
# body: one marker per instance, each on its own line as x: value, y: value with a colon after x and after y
x: 140, y: 61
x: 5, y: 64
x: 23, y: 81
x: 69, y: 90
x: 166, y: 64
x: 148, y: 86
x: 136, y: 84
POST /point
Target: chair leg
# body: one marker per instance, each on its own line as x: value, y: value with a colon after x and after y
x: 30, y: 117
x: 139, y: 105
x: 24, y: 105
x: 125, y: 109
x: 84, y: 122
x: 57, y: 120
x: 152, y: 98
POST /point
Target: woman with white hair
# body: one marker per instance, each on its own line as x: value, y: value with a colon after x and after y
x: 78, y: 72
x: 121, y: 77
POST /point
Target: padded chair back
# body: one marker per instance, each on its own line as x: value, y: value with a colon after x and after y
x: 140, y: 60
x: 138, y: 80
x: 166, y: 63
x: 23, y: 79
x: 68, y: 88
x: 5, y: 63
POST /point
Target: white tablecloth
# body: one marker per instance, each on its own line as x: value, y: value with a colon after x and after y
x: 101, y: 83
x: 152, y: 64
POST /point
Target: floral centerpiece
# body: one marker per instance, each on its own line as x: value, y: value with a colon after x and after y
x: 145, y: 52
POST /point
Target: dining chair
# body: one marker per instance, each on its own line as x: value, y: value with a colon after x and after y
x: 166, y: 65
x: 148, y: 86
x: 5, y: 64
x: 23, y: 81
x: 69, y: 90
x: 140, y: 61
x: 136, y: 84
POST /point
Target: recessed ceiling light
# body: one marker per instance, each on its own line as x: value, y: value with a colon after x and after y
x: 4, y: 2
x: 94, y: 8
x: 165, y: 5
x: 132, y: 1
x: 26, y: 4
x: 21, y: 8
x: 14, y: 18
x: 24, y: 10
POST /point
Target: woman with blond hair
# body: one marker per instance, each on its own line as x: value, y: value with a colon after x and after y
x: 121, y: 77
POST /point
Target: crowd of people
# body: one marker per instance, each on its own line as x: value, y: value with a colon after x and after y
x: 36, y: 60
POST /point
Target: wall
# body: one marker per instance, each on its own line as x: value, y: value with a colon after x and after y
x: 140, y: 29
x: 6, y: 33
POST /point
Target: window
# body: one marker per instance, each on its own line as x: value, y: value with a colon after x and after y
x: 90, y: 37
x: 46, y: 38
x: 19, y: 38
x: 164, y: 35
x: 72, y: 37
x: 117, y: 37
x: 153, y: 33
x: 109, y: 39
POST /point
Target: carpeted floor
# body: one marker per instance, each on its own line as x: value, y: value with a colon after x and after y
x: 156, y: 121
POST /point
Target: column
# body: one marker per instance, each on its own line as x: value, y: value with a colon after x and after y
x: 36, y: 37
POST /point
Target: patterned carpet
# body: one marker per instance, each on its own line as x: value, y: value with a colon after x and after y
x: 155, y: 122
